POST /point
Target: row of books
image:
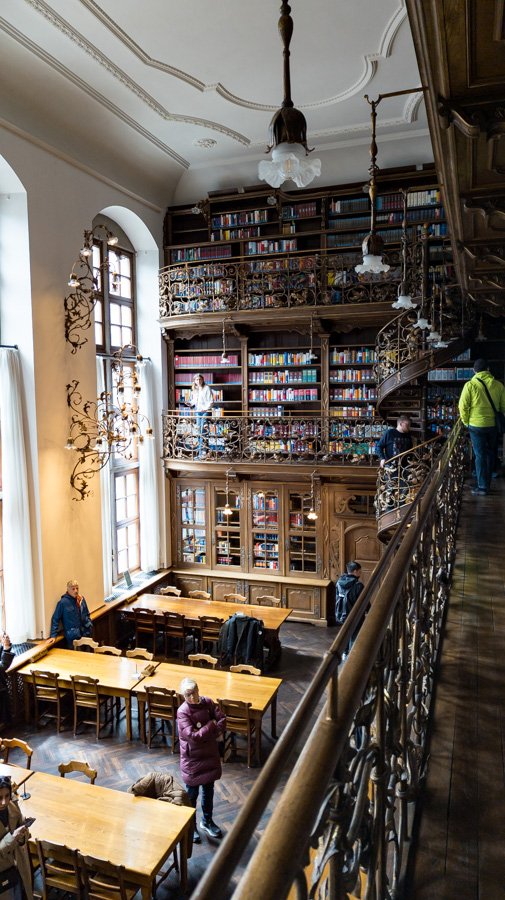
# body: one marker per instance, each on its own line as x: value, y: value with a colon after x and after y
x: 299, y: 210
x: 187, y: 411
x: 389, y: 218
x: 451, y: 374
x: 287, y: 429
x: 284, y: 377
x: 354, y: 355
x: 202, y: 289
x: 288, y: 395
x: 359, y: 204
x: 202, y: 361
x: 442, y: 411
x: 351, y: 412
x: 210, y: 377
x: 193, y: 254
x: 362, y: 448
x: 351, y: 375
x: 264, y: 501
x: 235, y: 234
x: 249, y: 217
x: 184, y: 396
x: 389, y: 235
x: 414, y: 198
x: 362, y: 393
x: 280, y: 358
x: 252, y: 248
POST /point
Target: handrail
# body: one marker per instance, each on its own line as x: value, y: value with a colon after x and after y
x: 271, y: 868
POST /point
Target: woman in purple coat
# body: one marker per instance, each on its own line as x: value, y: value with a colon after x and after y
x: 201, y: 724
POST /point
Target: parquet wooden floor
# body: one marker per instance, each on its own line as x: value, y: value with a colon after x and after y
x: 120, y: 763
x: 459, y: 847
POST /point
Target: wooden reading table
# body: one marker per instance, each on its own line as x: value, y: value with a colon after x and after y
x: 116, y: 675
x: 136, y: 832
x: 17, y: 775
x: 255, y: 689
x: 272, y: 616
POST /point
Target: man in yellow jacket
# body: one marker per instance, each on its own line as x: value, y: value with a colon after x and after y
x: 477, y: 412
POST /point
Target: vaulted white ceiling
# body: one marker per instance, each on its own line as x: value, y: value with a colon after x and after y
x: 173, y: 98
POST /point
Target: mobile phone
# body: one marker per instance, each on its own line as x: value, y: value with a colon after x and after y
x: 29, y: 821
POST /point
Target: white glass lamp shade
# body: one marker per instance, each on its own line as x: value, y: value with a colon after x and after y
x: 422, y: 323
x: 372, y: 264
x: 433, y: 336
x: 289, y: 162
x: 439, y: 345
x: 404, y: 302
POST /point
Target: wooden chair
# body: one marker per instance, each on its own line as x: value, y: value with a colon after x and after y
x: 105, y: 881
x: 76, y: 766
x: 8, y: 744
x: 268, y: 600
x: 139, y: 653
x: 108, y: 651
x: 235, y: 598
x: 85, y: 642
x: 171, y: 590
x: 47, y: 691
x: 59, y: 868
x: 145, y: 624
x: 203, y: 659
x: 87, y: 696
x: 200, y: 595
x: 245, y: 670
x: 208, y: 631
x: 174, y: 629
x: 162, y: 704
x: 238, y: 722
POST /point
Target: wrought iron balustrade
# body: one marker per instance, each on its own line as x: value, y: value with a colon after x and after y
x: 342, y: 823
x: 316, y: 279
x: 295, y: 439
x: 399, y: 480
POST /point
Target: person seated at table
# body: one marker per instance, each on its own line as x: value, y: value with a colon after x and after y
x: 15, y: 873
x: 72, y: 611
x: 5, y: 661
x: 201, y: 725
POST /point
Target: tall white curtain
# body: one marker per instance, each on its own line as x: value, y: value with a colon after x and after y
x: 17, y: 544
x: 105, y: 499
x: 152, y: 551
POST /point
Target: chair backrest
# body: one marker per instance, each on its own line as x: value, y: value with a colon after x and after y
x: 59, y: 868
x: 200, y: 595
x: 235, y: 598
x: 203, y: 659
x: 8, y: 744
x: 237, y: 714
x: 209, y: 627
x: 161, y: 701
x: 75, y: 765
x: 45, y: 684
x: 144, y: 618
x: 170, y: 589
x: 245, y: 670
x: 174, y: 622
x: 85, y: 690
x: 266, y: 598
x: 108, y: 651
x: 139, y: 653
x: 85, y: 642
x: 102, y: 879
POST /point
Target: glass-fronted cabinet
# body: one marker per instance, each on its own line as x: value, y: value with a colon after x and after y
x: 301, y: 534
x: 193, y: 530
x: 264, y: 553
x: 226, y: 536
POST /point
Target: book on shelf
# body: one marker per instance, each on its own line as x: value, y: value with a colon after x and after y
x: 288, y: 395
x: 281, y: 358
x: 193, y: 254
x: 299, y: 210
x: 361, y: 393
x: 414, y: 198
x: 204, y: 360
x: 351, y: 375
x: 358, y: 204
x: 353, y: 412
x: 252, y: 248
x: 352, y: 355
x: 249, y: 217
x: 235, y: 234
x: 427, y: 213
x: 284, y: 377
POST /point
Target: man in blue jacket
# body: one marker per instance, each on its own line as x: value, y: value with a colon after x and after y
x: 73, y: 612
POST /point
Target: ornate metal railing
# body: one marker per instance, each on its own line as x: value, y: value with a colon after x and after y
x: 344, y: 815
x: 402, y: 476
x: 314, y: 279
x: 294, y: 439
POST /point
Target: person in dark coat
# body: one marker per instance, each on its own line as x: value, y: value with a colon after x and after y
x: 348, y: 589
x: 73, y: 612
x: 393, y: 442
x: 201, y: 724
x: 5, y: 661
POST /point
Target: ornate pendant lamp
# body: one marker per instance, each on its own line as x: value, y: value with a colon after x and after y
x: 227, y: 511
x: 405, y: 300
x: 288, y: 129
x: 312, y: 514
x: 373, y: 245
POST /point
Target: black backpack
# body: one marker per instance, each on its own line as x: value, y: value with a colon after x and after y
x: 343, y: 604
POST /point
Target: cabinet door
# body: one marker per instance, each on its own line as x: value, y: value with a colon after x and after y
x: 226, y: 512
x: 265, y: 525
x: 219, y: 588
x: 301, y: 534
x: 302, y: 601
x: 193, y: 541
x: 259, y: 589
x: 189, y: 583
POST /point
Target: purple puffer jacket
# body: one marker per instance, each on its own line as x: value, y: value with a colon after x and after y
x: 200, y: 760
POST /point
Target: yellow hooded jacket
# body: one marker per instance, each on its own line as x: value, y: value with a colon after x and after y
x: 474, y: 406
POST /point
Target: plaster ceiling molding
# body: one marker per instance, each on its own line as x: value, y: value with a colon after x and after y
x: 368, y: 73
x: 411, y: 109
x: 204, y: 143
x: 90, y: 91
x: 102, y: 60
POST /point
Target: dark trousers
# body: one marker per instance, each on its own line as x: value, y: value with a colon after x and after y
x: 192, y: 791
x: 484, y: 447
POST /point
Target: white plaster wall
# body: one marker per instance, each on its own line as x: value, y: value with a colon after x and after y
x: 62, y: 200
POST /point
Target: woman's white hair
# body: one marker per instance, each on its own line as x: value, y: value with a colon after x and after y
x: 187, y: 684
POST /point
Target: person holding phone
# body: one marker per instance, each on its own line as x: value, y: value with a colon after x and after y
x: 15, y: 874
x: 72, y: 611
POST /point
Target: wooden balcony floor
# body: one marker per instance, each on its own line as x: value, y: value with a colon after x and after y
x: 459, y: 849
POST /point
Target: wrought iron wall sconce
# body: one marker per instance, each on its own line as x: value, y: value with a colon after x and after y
x: 100, y: 428
x: 80, y: 303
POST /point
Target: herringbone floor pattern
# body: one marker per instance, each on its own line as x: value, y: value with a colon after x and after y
x: 120, y: 763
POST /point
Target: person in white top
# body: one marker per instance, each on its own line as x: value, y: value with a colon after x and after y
x: 201, y: 401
